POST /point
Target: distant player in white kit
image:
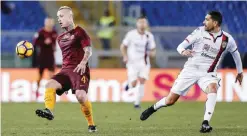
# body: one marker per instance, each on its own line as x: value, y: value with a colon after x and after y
x: 137, y: 46
x: 208, y: 43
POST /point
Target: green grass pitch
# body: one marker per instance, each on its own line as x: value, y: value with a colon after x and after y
x: 121, y: 119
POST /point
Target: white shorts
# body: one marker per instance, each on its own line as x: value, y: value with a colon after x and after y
x: 189, y: 77
x: 136, y: 71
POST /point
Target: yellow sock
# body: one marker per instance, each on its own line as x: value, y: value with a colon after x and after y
x: 50, y: 98
x: 86, y: 109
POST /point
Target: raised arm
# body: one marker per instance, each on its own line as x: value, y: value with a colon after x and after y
x: 190, y: 39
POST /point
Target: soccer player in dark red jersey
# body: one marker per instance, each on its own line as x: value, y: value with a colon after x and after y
x: 74, y: 75
x: 45, y: 43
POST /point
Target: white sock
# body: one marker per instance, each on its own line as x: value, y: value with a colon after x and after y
x: 210, y: 104
x: 161, y: 103
x: 139, y: 94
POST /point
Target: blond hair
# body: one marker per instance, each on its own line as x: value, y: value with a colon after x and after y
x: 66, y: 7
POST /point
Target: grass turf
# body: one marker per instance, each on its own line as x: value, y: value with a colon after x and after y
x: 121, y: 119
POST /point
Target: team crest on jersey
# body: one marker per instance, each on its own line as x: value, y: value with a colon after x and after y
x: 206, y: 47
x: 224, y: 43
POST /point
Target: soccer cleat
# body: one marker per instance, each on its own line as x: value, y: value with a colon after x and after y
x: 126, y: 87
x: 137, y: 106
x: 92, y: 128
x: 45, y: 113
x: 205, y: 127
x: 148, y: 112
x: 59, y: 92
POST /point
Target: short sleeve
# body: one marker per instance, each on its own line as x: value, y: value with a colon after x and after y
x: 127, y: 39
x: 151, y: 44
x: 192, y: 38
x: 84, y: 38
x: 232, y: 46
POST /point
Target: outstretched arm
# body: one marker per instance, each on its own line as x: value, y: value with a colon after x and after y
x: 232, y: 48
x: 239, y: 66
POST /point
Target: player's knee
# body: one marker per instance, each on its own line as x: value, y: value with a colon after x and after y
x: 212, y: 88
x: 81, y: 96
x: 142, y: 80
x: 52, y: 84
x: 134, y: 83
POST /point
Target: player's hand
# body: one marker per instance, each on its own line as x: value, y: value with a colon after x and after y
x: 125, y: 59
x: 239, y: 78
x: 80, y: 68
x: 48, y: 41
x: 187, y: 53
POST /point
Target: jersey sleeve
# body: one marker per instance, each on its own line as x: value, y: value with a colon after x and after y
x: 192, y: 38
x: 127, y: 39
x: 151, y: 44
x: 37, y: 38
x: 232, y: 46
x: 84, y: 38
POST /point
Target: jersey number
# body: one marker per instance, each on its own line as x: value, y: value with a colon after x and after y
x: 83, y: 79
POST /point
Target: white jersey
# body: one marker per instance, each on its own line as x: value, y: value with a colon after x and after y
x: 208, y: 48
x: 138, y: 46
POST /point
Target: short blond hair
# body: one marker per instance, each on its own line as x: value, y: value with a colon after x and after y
x: 66, y: 7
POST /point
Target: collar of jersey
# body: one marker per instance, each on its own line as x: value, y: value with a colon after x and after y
x: 218, y: 36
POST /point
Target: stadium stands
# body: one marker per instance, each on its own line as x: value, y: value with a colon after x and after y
x: 189, y: 13
x: 26, y: 16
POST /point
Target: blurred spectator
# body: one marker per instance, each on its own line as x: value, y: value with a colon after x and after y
x: 45, y: 45
x: 106, y: 30
x: 6, y: 8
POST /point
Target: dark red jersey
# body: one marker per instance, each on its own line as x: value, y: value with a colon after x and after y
x: 45, y: 42
x: 72, y: 43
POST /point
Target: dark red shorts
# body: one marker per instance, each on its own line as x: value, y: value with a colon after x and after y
x: 72, y: 80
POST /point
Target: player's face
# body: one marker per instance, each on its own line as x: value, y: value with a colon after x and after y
x: 64, y: 17
x: 141, y: 24
x: 209, y: 23
x: 49, y: 22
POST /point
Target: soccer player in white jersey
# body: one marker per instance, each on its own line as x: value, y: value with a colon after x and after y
x: 208, y: 43
x: 137, y: 46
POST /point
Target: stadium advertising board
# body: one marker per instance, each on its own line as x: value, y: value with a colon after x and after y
x: 19, y: 85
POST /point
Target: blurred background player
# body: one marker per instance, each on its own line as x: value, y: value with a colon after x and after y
x: 75, y: 74
x: 137, y: 46
x: 45, y: 44
x: 209, y: 42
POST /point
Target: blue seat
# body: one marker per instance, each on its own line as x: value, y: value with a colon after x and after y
x: 26, y: 16
x: 188, y: 13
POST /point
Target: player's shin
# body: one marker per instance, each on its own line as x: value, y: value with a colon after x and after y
x: 209, y: 106
x: 161, y: 103
x: 50, y: 98
x: 86, y: 108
